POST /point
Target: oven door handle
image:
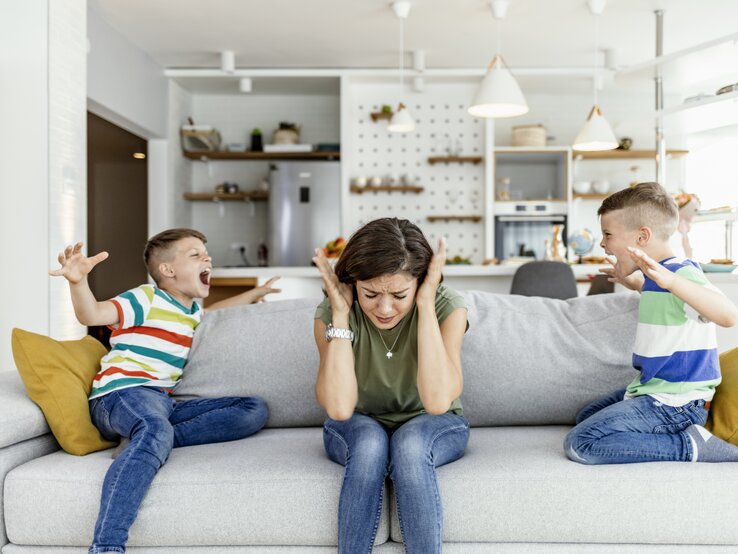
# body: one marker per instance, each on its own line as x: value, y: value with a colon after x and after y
x: 531, y: 218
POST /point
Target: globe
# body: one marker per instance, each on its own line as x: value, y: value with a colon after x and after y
x: 582, y: 242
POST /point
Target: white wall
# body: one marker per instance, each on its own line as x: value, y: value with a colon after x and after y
x: 42, y: 162
x: 124, y: 85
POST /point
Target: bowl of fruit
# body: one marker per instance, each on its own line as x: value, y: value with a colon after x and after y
x: 333, y: 248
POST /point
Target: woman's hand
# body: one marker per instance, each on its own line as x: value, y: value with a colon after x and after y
x: 427, y: 291
x: 75, y: 266
x: 340, y: 294
x: 634, y: 281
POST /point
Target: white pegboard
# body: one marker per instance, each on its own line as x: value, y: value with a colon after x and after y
x: 450, y: 189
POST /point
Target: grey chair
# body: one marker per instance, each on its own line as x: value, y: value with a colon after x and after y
x: 549, y: 279
x: 600, y: 285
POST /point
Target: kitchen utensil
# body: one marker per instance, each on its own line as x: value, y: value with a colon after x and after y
x: 582, y: 187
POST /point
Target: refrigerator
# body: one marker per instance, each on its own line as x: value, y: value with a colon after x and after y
x: 304, y: 210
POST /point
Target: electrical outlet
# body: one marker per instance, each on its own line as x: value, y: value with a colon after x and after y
x: 238, y: 246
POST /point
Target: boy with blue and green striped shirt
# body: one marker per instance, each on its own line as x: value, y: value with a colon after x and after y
x: 660, y: 415
x: 153, y: 327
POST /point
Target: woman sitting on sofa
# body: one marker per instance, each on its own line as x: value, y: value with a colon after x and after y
x: 389, y: 336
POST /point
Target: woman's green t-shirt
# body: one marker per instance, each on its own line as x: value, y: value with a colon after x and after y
x: 388, y: 388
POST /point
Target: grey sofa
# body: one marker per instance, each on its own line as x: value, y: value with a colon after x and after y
x: 530, y: 364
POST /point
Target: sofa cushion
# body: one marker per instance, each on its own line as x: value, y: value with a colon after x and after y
x: 21, y: 418
x: 264, y: 349
x: 723, y: 419
x: 514, y: 484
x: 58, y: 377
x: 538, y: 361
x: 274, y: 488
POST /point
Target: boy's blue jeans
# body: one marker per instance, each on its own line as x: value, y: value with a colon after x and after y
x: 155, y: 424
x: 615, y: 431
x: 410, y: 454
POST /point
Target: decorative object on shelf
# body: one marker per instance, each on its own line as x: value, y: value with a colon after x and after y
x: 503, y: 188
x: 235, y: 147
x: 689, y: 205
x: 458, y: 260
x: 499, y: 94
x: 555, y: 249
x: 529, y: 135
x: 582, y: 187
x: 727, y: 89
x: 288, y: 148
x: 264, y: 184
x: 601, y: 186
x: 328, y: 147
x: 262, y: 254
x: 360, y: 181
x: 220, y: 188
x: 231, y: 188
x: 376, y: 116
x: 596, y: 134
x: 581, y: 242
x: 288, y: 133
x: 625, y: 143
x: 333, y: 248
x: 402, y: 121
x: 635, y: 175
x: 718, y: 266
x: 257, y: 144
x: 392, y: 179
x: 199, y: 138
x: 375, y: 181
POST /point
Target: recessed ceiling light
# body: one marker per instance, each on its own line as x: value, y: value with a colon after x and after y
x: 139, y: 155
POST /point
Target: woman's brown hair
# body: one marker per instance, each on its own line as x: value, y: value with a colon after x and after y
x: 384, y: 247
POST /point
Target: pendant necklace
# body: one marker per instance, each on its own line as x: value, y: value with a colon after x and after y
x: 389, y: 350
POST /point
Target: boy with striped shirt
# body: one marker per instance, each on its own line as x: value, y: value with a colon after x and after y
x: 660, y: 415
x: 153, y: 326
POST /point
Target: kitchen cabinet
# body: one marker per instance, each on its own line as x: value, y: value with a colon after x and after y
x: 226, y: 287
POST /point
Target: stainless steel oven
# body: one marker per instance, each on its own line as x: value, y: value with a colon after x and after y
x: 522, y: 228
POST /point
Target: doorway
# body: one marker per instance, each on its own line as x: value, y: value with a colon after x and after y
x: 117, y: 210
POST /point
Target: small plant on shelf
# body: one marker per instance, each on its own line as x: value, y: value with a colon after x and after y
x: 257, y: 144
x: 384, y: 113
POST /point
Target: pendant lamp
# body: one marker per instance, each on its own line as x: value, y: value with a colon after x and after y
x: 402, y: 121
x: 596, y: 134
x: 499, y: 94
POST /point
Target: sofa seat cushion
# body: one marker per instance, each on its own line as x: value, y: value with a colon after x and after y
x: 514, y: 484
x: 274, y: 488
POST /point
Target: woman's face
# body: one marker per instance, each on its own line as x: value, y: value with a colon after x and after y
x: 387, y: 299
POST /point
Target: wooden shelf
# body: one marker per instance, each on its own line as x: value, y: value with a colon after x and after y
x: 454, y: 159
x: 387, y: 188
x: 223, y: 155
x: 589, y: 196
x: 626, y: 154
x: 474, y: 218
x: 376, y: 116
x: 255, y: 195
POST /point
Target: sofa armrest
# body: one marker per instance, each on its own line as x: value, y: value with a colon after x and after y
x: 20, y: 418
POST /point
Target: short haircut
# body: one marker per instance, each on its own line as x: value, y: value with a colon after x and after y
x: 158, y: 249
x: 645, y: 205
x: 384, y: 247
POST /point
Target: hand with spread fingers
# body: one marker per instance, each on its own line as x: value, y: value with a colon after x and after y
x: 75, y: 266
x: 427, y: 291
x: 340, y: 294
x: 634, y: 281
x: 652, y: 269
x: 262, y: 290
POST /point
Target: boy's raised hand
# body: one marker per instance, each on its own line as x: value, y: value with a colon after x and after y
x: 75, y: 266
x: 261, y: 291
x: 652, y: 269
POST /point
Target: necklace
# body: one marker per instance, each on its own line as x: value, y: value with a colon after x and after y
x: 389, y: 350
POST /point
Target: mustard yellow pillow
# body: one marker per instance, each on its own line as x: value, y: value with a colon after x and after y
x: 58, y: 377
x: 723, y: 419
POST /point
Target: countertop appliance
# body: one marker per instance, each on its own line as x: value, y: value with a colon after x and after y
x: 304, y: 210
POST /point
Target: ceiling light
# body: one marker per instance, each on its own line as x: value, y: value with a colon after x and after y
x: 596, y: 134
x: 402, y: 121
x: 499, y: 94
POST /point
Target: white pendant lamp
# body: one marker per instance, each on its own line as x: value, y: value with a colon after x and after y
x: 499, y: 94
x: 596, y: 134
x: 402, y: 121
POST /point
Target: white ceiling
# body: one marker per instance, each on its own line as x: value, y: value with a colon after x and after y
x: 365, y: 33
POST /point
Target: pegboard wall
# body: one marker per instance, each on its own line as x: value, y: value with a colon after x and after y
x: 443, y: 127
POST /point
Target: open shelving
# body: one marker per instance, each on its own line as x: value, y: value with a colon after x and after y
x: 376, y: 116
x: 454, y: 159
x: 474, y: 218
x: 626, y: 154
x: 255, y: 195
x: 387, y: 188
x: 223, y: 155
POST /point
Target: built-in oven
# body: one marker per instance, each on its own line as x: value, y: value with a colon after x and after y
x: 526, y: 228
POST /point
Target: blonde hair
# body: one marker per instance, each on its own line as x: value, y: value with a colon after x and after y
x: 158, y: 248
x: 645, y: 205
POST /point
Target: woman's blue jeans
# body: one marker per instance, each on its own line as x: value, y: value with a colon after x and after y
x: 615, y: 431
x: 155, y: 424
x: 409, y: 454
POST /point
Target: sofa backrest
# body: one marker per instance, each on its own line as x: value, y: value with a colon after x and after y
x: 526, y: 360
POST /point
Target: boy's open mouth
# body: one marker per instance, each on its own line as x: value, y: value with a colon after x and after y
x: 205, y: 277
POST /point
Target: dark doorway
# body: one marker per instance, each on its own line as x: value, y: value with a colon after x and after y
x: 117, y: 210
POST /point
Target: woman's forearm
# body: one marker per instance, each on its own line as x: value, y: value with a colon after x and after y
x: 439, y: 378
x: 336, y: 388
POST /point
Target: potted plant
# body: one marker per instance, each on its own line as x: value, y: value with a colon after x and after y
x: 257, y: 144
